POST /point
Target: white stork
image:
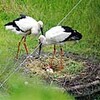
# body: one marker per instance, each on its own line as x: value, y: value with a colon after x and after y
x: 58, y: 35
x: 25, y: 25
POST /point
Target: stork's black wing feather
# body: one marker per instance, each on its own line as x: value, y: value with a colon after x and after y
x: 67, y: 29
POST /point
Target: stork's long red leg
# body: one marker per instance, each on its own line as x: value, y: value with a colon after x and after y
x: 19, y: 47
x: 54, y: 53
x: 25, y: 46
x: 61, y: 60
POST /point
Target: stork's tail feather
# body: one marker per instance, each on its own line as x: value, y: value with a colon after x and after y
x: 10, y: 23
x: 9, y: 26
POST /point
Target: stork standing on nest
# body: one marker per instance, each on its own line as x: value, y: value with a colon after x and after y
x: 58, y: 35
x: 25, y: 25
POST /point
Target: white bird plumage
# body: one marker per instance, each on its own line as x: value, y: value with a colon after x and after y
x: 54, y: 35
x: 25, y: 25
x: 58, y: 34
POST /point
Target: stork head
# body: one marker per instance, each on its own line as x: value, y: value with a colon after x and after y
x: 42, y: 39
x: 40, y: 23
x: 75, y: 35
x: 41, y: 26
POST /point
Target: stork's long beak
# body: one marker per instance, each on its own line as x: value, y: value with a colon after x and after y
x: 40, y: 47
x: 41, y: 30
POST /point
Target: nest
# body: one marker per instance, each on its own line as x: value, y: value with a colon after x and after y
x: 85, y: 81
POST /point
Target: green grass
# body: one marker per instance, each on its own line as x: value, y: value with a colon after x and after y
x: 21, y: 88
x: 85, y: 18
